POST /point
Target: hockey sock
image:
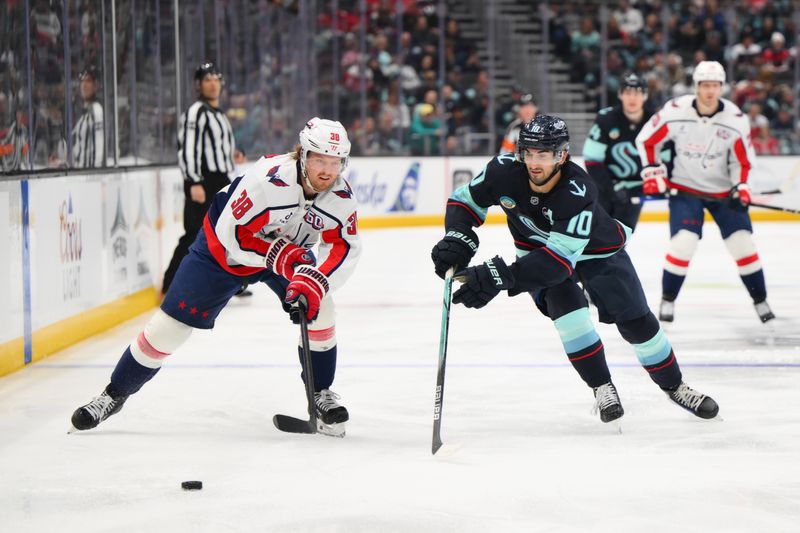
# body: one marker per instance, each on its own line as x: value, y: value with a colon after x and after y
x: 129, y: 376
x: 756, y: 286
x: 324, y: 363
x: 583, y: 346
x: 671, y: 285
x: 653, y: 350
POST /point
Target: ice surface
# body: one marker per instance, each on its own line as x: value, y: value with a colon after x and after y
x: 532, y: 457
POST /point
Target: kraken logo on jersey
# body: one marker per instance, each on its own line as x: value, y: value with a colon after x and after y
x: 625, y: 157
x: 548, y: 213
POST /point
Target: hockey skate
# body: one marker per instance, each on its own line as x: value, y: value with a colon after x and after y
x: 607, y: 403
x: 764, y: 312
x: 94, y: 412
x: 696, y: 403
x: 331, y: 415
x: 666, y: 313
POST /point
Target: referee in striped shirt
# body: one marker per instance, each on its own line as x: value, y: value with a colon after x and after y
x: 206, y: 155
x: 88, y: 137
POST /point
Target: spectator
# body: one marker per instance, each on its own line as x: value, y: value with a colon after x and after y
x: 425, y: 130
x: 776, y: 57
x: 629, y: 18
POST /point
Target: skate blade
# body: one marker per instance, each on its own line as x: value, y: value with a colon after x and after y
x: 72, y: 429
x: 331, y: 430
x: 447, y: 450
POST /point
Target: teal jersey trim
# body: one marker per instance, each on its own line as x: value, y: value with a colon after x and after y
x: 653, y: 351
x: 594, y: 150
x: 463, y: 195
x: 567, y: 247
x: 576, y: 330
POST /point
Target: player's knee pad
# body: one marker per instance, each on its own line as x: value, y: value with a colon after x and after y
x: 161, y: 336
x: 743, y: 249
x: 681, y: 249
x: 322, y: 332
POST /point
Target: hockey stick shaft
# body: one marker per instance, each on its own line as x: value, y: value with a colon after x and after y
x: 675, y: 192
x: 289, y: 423
x: 438, y: 400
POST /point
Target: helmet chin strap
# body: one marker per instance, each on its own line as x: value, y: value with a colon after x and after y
x: 305, y: 175
x: 553, y: 172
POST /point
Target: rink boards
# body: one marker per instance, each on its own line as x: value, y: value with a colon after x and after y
x: 84, y: 253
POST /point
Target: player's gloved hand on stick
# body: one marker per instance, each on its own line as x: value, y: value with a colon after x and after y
x: 654, y: 179
x: 309, y: 284
x: 483, y: 282
x: 454, y: 250
x: 741, y: 196
x: 283, y: 255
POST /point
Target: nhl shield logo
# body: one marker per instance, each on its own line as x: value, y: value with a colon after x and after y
x: 534, y: 200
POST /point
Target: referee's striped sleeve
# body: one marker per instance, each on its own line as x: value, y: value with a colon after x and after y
x: 190, y: 142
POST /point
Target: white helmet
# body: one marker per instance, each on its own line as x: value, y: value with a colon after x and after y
x: 326, y: 137
x: 708, y: 71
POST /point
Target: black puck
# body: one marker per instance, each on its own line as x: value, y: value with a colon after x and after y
x: 192, y: 485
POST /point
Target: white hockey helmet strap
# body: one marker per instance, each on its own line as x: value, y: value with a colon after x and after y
x: 323, y: 136
x: 708, y: 71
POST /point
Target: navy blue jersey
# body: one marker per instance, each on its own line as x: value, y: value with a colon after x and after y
x: 610, y: 149
x: 552, y: 232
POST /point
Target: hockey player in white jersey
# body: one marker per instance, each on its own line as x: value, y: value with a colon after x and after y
x: 713, y: 160
x: 261, y: 228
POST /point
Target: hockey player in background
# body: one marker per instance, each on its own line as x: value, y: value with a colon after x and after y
x: 261, y: 228
x: 526, y: 109
x: 561, y: 235
x: 713, y: 160
x: 610, y: 152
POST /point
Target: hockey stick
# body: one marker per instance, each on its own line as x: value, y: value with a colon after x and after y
x: 677, y: 192
x: 443, y: 333
x: 291, y: 424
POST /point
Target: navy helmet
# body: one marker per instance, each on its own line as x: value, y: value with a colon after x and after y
x: 632, y: 81
x: 544, y: 132
x: 206, y: 69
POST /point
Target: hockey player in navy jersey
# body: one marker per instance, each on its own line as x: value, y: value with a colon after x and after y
x: 610, y: 152
x: 713, y: 160
x: 562, y: 235
x: 261, y: 228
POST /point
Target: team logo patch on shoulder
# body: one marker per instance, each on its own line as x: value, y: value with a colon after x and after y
x: 579, y: 190
x: 345, y: 193
x: 614, y: 134
x: 507, y: 202
x: 272, y: 174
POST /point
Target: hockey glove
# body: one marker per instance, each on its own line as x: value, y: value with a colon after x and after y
x: 454, y: 250
x: 654, y: 179
x: 283, y: 255
x: 307, y: 286
x: 483, y: 282
x: 740, y: 197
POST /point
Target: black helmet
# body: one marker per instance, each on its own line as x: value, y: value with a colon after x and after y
x: 545, y: 132
x: 205, y: 69
x: 632, y: 81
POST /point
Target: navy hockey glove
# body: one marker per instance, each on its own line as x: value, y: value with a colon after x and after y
x: 454, y: 250
x: 483, y: 282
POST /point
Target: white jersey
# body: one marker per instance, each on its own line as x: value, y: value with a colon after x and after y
x: 712, y: 154
x: 267, y: 203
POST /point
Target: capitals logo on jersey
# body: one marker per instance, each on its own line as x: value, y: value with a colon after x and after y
x: 272, y: 174
x: 345, y: 193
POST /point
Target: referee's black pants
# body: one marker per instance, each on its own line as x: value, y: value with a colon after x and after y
x: 193, y: 215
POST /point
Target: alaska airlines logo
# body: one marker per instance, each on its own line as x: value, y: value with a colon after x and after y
x: 579, y: 191
x: 272, y: 174
x: 345, y: 193
x: 409, y: 190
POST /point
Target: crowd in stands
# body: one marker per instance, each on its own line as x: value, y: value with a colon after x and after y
x: 386, y: 74
x: 753, y: 39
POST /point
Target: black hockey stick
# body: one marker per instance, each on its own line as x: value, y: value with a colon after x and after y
x: 291, y: 424
x: 677, y: 192
x: 443, y: 333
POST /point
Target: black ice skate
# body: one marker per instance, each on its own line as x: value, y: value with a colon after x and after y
x: 331, y: 416
x: 94, y: 412
x: 764, y: 312
x: 666, y: 313
x: 607, y: 402
x: 693, y: 401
